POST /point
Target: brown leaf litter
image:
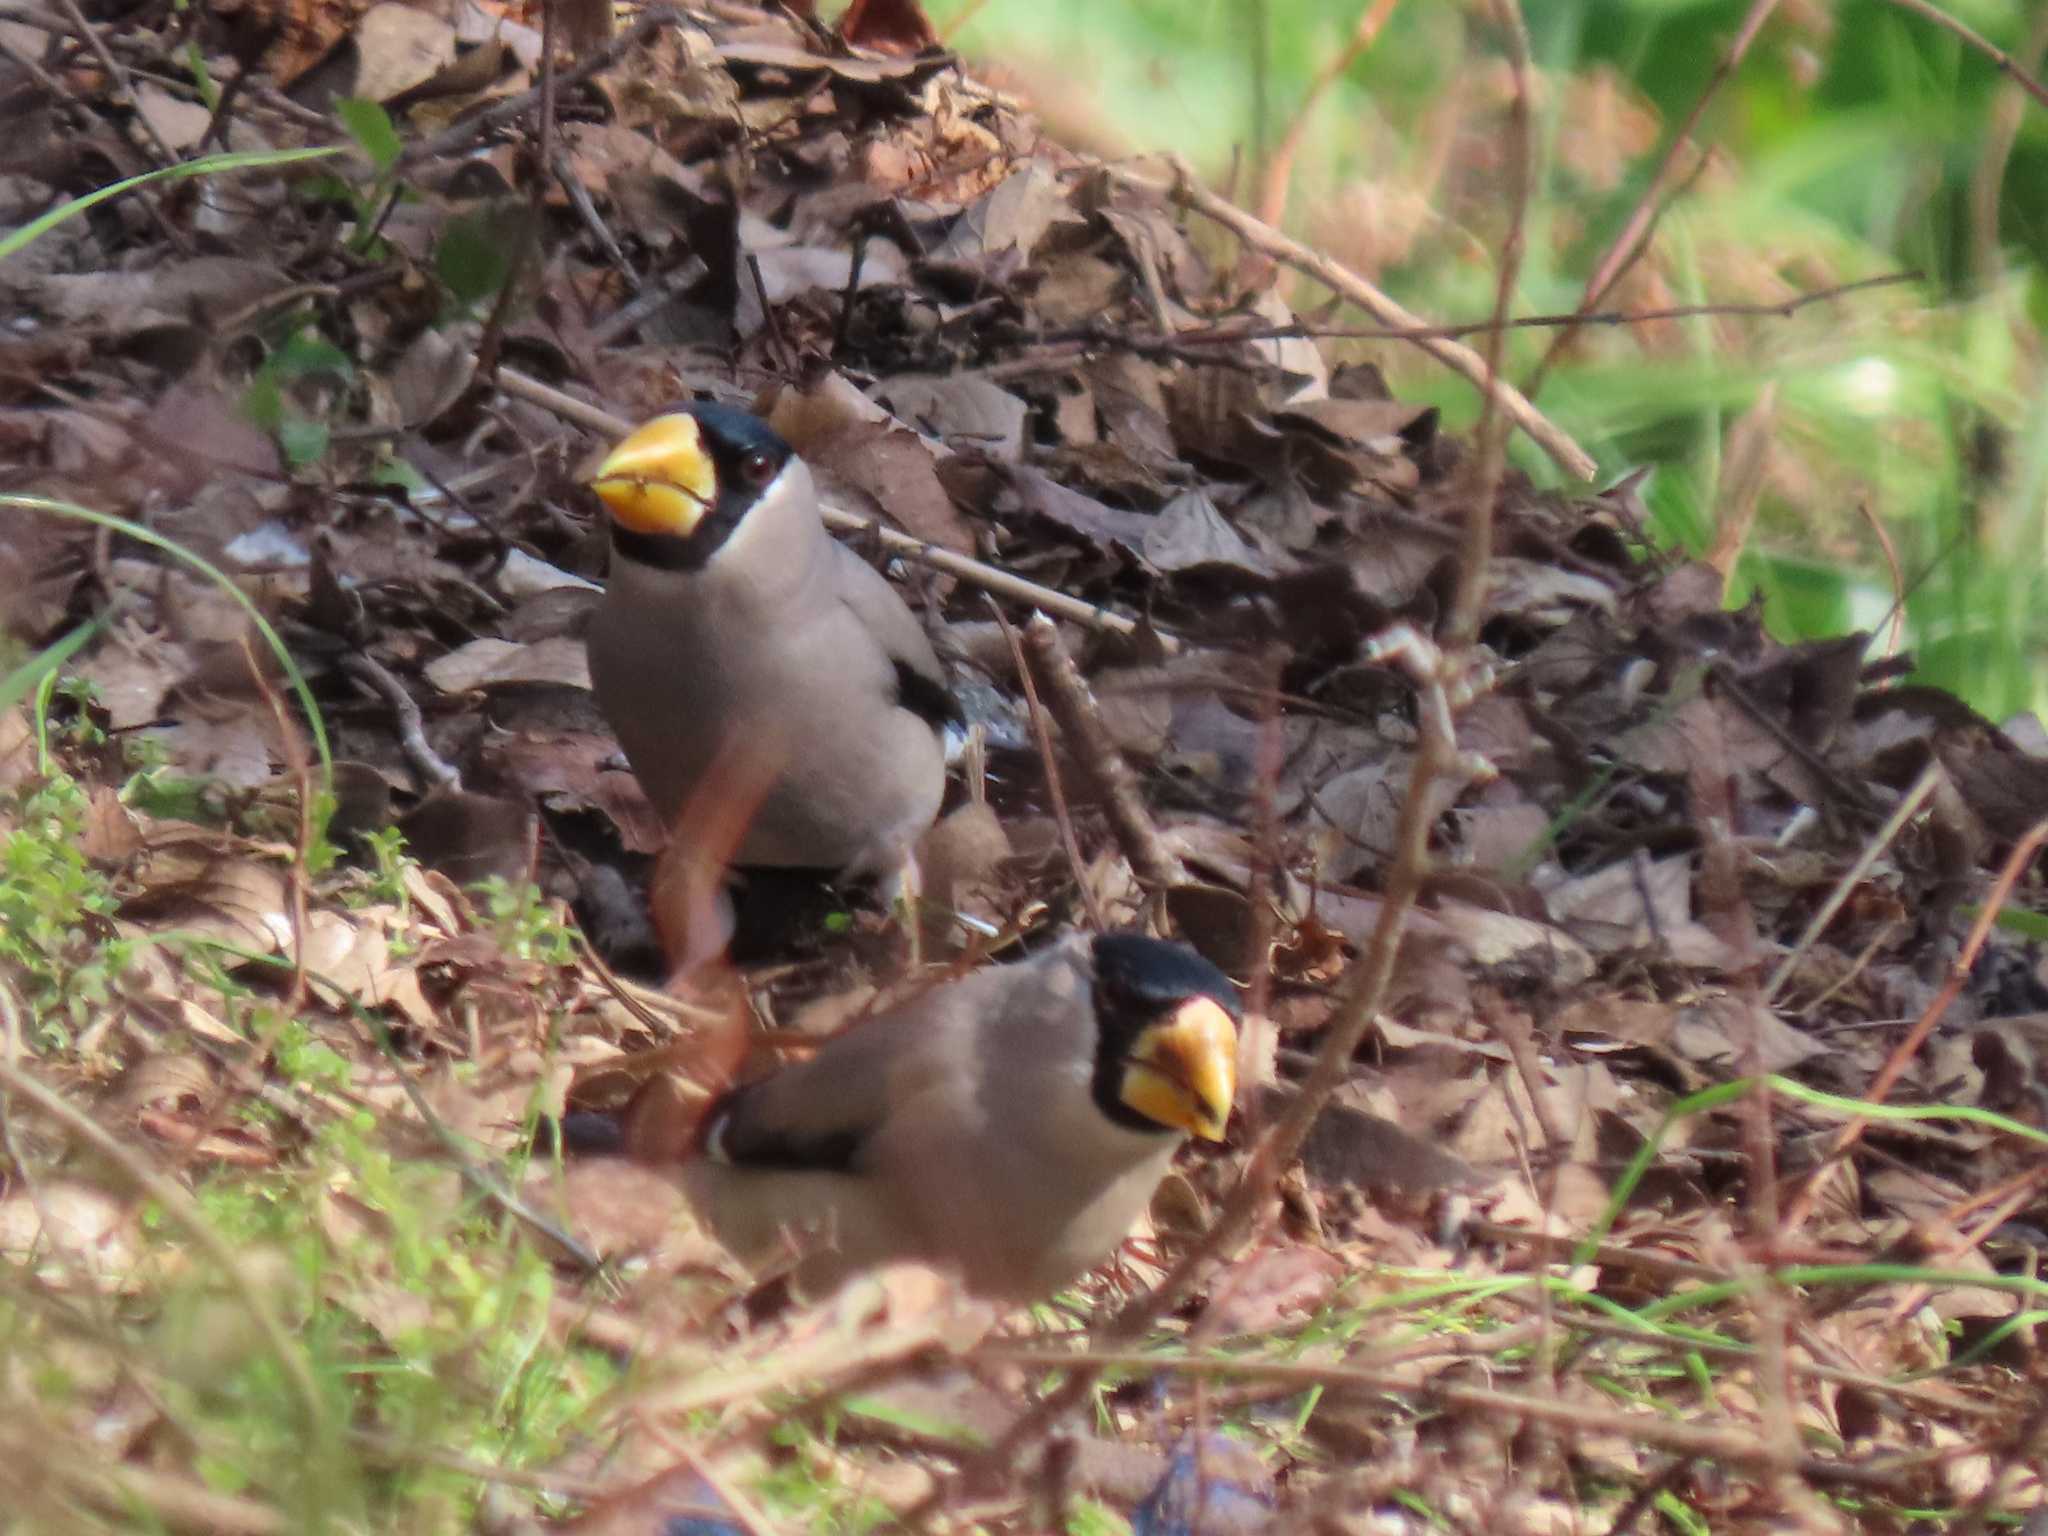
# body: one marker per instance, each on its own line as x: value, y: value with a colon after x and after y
x: 1014, y: 354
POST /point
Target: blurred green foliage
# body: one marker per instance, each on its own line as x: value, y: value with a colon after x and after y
x: 1854, y: 140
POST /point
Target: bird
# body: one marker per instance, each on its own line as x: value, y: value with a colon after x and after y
x: 1009, y: 1126
x: 735, y: 630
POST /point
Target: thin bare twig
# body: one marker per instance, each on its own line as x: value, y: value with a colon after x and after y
x: 1895, y: 1065
x: 1725, y: 909
x: 1649, y: 1493
x: 1729, y: 1446
x: 1852, y: 877
x: 2001, y: 132
x: 412, y: 734
x: 1890, y: 550
x: 586, y: 210
x: 1279, y: 166
x: 1510, y: 1026
x: 1183, y: 188
x: 52, y: 87
x: 292, y: 748
x: 1491, y: 433
x: 1632, y: 238
x: 545, y: 156
x: 171, y: 1503
x: 778, y: 342
x: 1081, y: 339
x: 117, y: 75
x: 1067, y: 696
x: 485, y: 1181
x: 458, y: 138
x: 1263, y: 883
x: 1055, y: 785
x: 2007, y: 65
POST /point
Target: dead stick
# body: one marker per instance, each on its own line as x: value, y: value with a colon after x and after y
x: 412, y: 730
x: 463, y: 134
x: 1733, y: 1446
x: 1069, y: 702
x: 1055, y: 787
x: 1341, y: 280
x: 1628, y: 245
x: 2000, y: 59
x: 1903, y: 1053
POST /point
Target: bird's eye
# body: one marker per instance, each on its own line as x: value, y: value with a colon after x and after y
x: 757, y: 468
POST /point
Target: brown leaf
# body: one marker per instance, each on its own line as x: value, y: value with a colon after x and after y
x: 1188, y: 532
x: 752, y: 56
x: 1043, y: 496
x: 398, y: 47
x: 1381, y: 425
x: 959, y: 860
x: 1212, y: 410
x: 71, y: 1231
x: 1010, y: 218
x: 1718, y: 1031
x: 205, y: 432
x: 111, y: 835
x: 1269, y: 1288
x: 888, y: 472
x: 489, y: 663
x: 205, y: 884
x: 17, y: 749
x: 968, y: 412
x: 897, y: 27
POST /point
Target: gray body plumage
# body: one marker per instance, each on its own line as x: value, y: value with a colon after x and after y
x: 975, y: 1144
x: 788, y: 643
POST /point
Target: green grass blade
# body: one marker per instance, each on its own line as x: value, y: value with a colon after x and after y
x: 1728, y: 1093
x: 219, y: 578
x: 24, y: 679
x: 208, y: 165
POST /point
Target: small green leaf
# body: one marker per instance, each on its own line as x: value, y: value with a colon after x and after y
x: 390, y: 471
x: 305, y: 354
x: 370, y: 126
x: 263, y: 402
x: 304, y: 442
x: 473, y: 257
x: 326, y: 188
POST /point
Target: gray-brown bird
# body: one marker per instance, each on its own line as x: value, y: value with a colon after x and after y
x: 734, y: 628
x: 1009, y: 1127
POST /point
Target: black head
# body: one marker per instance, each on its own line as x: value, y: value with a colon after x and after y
x: 678, y: 486
x: 1166, y: 1041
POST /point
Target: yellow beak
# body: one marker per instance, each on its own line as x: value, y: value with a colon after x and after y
x: 1183, y: 1070
x: 660, y: 479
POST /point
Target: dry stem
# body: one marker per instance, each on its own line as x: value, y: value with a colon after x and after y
x: 1633, y: 237
x: 1902, y: 1056
x: 1729, y: 1446
x: 1341, y: 280
x: 1070, y: 703
x: 1055, y: 785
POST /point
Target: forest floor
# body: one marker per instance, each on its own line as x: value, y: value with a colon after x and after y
x: 1685, y: 1164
